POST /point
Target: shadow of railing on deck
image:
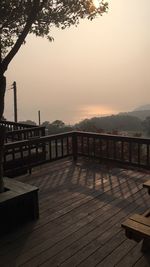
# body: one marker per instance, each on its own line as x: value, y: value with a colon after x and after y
x: 91, y: 179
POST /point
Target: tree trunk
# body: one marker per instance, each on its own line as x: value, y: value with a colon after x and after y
x: 2, y: 129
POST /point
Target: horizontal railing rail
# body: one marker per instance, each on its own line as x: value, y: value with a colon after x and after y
x: 35, y: 151
x: 24, y: 134
x: 130, y: 151
x: 12, y: 126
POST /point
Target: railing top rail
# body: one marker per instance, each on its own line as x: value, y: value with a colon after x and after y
x: 26, y: 130
x: 17, y: 124
x: 114, y: 137
x: 37, y: 139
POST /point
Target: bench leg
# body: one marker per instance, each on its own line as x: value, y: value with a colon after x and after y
x: 130, y: 235
x: 145, y: 246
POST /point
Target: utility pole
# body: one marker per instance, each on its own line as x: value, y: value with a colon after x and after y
x: 15, y: 101
x: 39, y: 117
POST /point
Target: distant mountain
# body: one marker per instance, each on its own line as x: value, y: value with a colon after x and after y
x: 141, y: 108
x: 131, y: 121
x: 109, y: 123
x: 140, y: 112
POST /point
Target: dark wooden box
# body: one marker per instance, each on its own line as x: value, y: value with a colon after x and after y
x: 18, y: 205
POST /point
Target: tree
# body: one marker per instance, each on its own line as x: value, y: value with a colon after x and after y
x: 45, y: 124
x: 58, y: 123
x: 28, y: 122
x: 18, y: 18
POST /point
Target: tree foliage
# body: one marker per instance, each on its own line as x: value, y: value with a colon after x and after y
x: 20, y: 17
x: 29, y: 122
x: 58, y: 123
x: 56, y: 127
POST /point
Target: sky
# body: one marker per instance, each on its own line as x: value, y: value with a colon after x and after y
x: 98, y: 68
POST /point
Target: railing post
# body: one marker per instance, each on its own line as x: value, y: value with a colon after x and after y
x: 74, y: 146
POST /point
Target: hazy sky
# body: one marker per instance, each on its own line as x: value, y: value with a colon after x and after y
x: 99, y: 67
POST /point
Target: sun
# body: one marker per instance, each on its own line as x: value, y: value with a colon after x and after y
x: 96, y: 3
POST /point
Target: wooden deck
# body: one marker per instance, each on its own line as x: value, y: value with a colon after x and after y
x: 82, y: 206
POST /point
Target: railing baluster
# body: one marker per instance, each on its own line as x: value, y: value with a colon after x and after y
x: 88, y: 146
x: 29, y: 158
x: 114, y: 149
x: 21, y: 152
x: 147, y: 158
x: 130, y: 152
x: 94, y: 148
x: 56, y: 148
x: 13, y: 153
x: 100, y: 147
x: 62, y: 147
x: 139, y: 154
x: 82, y: 145
x: 122, y: 150
x: 68, y: 151
x: 50, y: 150
x: 74, y: 146
x: 107, y: 148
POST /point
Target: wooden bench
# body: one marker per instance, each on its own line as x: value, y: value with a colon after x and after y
x: 147, y: 185
x: 137, y: 227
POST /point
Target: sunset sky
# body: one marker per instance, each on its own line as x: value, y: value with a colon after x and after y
x: 100, y: 67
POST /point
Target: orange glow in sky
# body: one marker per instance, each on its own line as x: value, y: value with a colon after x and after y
x: 96, y: 111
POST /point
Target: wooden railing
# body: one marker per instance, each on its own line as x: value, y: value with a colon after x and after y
x: 23, y: 155
x: 12, y: 126
x: 126, y: 150
x: 24, y: 134
x: 129, y: 151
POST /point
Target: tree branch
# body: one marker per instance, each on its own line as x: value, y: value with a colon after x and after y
x: 35, y: 9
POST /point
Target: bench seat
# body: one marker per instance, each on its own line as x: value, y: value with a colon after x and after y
x: 137, y: 227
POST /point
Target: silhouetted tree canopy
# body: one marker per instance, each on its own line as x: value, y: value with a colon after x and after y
x: 20, y: 17
x: 29, y: 122
x: 58, y: 123
x: 56, y: 127
x: 45, y: 124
